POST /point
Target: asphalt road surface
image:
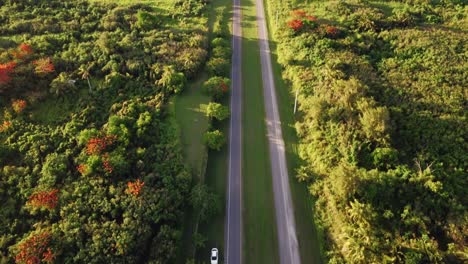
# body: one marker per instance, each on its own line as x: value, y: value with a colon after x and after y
x: 233, y: 228
x: 287, y: 239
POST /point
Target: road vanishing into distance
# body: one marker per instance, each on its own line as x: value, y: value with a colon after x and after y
x: 287, y: 239
x: 233, y: 229
x: 286, y: 224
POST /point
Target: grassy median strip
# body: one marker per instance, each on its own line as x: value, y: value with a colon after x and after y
x: 260, y: 238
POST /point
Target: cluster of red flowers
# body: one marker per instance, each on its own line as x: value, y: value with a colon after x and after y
x: 35, y: 249
x: 5, y: 70
x: 18, y: 105
x: 44, y: 66
x: 106, y: 164
x: 5, y: 126
x: 22, y: 51
x: 47, y: 199
x: 331, y: 30
x: 25, y: 48
x: 300, y: 17
x: 82, y: 168
x: 97, y: 145
x: 311, y: 18
x: 134, y: 188
x: 224, y: 87
x: 295, y: 24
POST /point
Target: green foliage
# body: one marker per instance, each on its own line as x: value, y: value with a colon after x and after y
x: 171, y: 80
x: 54, y: 168
x: 189, y: 7
x: 218, y: 66
x: 204, y: 201
x: 146, y: 21
x: 214, y: 139
x: 115, y: 69
x: 218, y: 111
x: 62, y: 85
x: 216, y: 87
x: 381, y: 127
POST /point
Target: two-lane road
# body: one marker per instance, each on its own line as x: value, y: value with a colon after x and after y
x: 287, y: 239
x: 286, y: 226
x: 233, y: 229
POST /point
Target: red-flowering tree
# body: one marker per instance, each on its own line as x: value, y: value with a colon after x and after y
x: 311, y: 18
x: 82, y: 168
x: 332, y: 31
x: 5, y: 70
x: 134, y: 188
x: 44, y: 199
x: 97, y: 145
x: 296, y: 24
x: 35, y: 249
x: 301, y: 21
x: 48, y: 256
x: 25, y: 49
x: 22, y: 51
x: 224, y: 87
x: 106, y: 164
x: 18, y: 105
x: 44, y: 66
x: 5, y: 126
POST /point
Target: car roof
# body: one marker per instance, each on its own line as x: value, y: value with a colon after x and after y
x: 214, y: 252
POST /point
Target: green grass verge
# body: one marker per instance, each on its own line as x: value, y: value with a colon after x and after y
x: 260, y: 234
x: 217, y: 166
x: 193, y: 123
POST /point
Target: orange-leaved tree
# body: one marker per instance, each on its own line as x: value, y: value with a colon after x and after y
x: 44, y: 66
x: 35, y: 250
x: 5, y: 70
x: 134, y: 188
x: 18, y: 105
x: 44, y: 199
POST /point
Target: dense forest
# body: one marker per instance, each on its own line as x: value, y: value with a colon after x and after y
x: 382, y: 124
x: 90, y: 163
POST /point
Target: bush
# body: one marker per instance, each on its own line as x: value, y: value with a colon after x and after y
x: 218, y: 66
x: 172, y: 80
x: 222, y: 52
x: 214, y: 139
x: 220, y: 42
x: 218, y: 111
x: 146, y: 21
x: 216, y: 87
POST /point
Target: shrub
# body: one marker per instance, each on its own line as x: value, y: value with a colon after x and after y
x: 222, y: 52
x: 218, y: 111
x: 172, y: 80
x: 146, y: 21
x: 220, y: 42
x: 216, y: 87
x: 214, y: 139
x: 218, y: 66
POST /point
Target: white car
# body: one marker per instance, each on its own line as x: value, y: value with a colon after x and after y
x: 214, y: 256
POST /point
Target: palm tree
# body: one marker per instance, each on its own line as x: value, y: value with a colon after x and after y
x: 62, y: 84
x: 84, y: 71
